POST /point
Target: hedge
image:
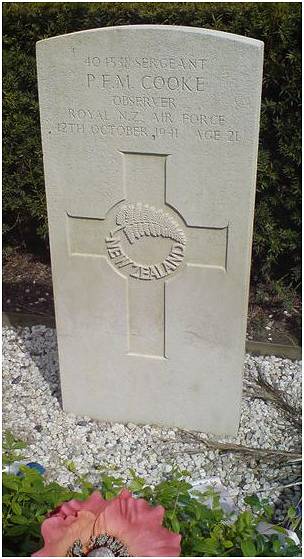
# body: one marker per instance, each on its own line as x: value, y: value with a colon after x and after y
x: 276, y: 243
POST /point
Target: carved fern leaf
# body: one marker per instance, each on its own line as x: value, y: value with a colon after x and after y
x: 140, y: 219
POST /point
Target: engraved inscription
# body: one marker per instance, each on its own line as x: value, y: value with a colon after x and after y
x: 147, y: 97
x: 144, y: 102
x: 218, y: 135
x: 148, y: 63
x: 141, y: 220
x: 191, y: 84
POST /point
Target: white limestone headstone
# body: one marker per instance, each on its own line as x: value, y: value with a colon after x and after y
x: 150, y: 138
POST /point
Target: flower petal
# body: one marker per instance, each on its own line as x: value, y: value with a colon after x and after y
x: 138, y: 525
x: 157, y: 543
x: 59, y: 534
x: 124, y: 511
x: 95, y: 504
x: 54, y: 527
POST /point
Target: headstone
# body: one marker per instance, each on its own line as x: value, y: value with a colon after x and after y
x: 150, y: 138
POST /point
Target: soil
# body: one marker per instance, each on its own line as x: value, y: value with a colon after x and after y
x: 27, y: 288
x: 273, y: 323
x: 27, y: 285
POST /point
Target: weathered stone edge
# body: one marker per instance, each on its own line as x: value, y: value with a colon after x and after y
x: 23, y: 319
x: 257, y: 348
x: 279, y: 350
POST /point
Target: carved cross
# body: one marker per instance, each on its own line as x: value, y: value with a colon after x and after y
x: 147, y: 242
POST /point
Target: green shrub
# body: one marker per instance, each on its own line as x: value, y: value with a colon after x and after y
x: 205, y: 532
x: 277, y: 219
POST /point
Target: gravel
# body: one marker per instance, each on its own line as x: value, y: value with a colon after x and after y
x: 32, y: 411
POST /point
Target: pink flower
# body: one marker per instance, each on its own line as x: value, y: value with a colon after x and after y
x: 123, y: 526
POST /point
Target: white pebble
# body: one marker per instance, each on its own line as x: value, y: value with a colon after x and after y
x: 31, y: 354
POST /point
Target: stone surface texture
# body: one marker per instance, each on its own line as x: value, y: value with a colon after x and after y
x: 150, y: 138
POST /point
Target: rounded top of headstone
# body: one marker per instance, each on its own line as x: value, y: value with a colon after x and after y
x: 163, y: 28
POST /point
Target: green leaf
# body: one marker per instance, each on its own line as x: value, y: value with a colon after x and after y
x: 19, y: 520
x: 10, y: 481
x: 268, y: 511
x: 279, y: 529
x: 70, y: 466
x: 6, y: 498
x: 174, y: 522
x: 292, y: 513
x: 136, y: 485
x: 15, y: 530
x: 228, y: 544
x: 245, y: 520
x: 253, y: 501
x: 276, y: 546
x: 248, y: 548
x: 16, y: 508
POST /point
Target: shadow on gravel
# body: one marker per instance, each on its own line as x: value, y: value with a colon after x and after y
x: 289, y: 496
x: 41, y: 348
